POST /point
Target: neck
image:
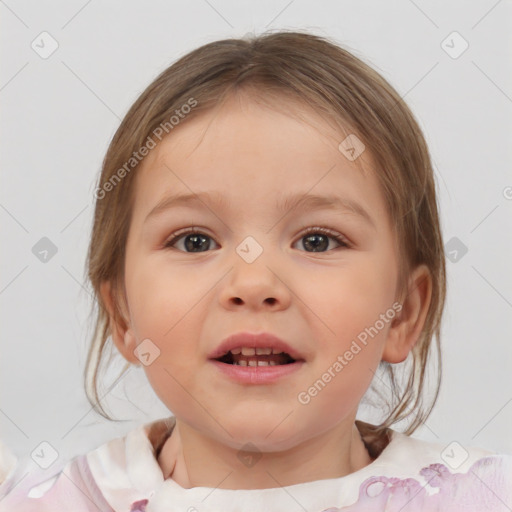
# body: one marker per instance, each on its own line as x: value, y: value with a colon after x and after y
x: 193, y: 460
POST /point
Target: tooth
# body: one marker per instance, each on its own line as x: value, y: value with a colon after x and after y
x: 248, y: 351
x: 276, y: 351
x: 272, y: 363
x: 253, y: 362
x: 263, y: 351
x: 242, y: 362
x: 262, y: 363
x: 236, y: 350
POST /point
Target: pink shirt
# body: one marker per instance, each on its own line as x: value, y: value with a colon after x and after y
x: 409, y: 475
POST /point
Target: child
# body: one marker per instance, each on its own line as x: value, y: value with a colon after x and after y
x: 266, y: 239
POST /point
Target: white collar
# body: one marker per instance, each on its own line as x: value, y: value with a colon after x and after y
x: 126, y: 470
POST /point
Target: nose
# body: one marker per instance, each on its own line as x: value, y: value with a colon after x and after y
x: 256, y: 285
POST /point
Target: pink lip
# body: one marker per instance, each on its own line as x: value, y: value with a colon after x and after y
x: 258, y: 340
x: 256, y: 374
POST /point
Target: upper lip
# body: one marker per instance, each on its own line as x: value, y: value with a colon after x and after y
x: 256, y: 340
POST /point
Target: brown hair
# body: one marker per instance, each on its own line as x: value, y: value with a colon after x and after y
x: 343, y: 90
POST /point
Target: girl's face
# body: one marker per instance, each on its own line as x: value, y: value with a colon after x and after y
x: 257, y: 263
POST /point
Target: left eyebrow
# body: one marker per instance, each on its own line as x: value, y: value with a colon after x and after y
x: 303, y: 202
x: 308, y: 202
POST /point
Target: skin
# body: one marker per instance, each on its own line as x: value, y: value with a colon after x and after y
x: 187, y: 302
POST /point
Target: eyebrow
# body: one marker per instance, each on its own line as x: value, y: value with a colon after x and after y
x: 286, y: 204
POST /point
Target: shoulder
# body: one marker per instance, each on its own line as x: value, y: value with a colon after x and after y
x: 453, y: 453
x: 115, y: 476
x: 29, y: 489
x: 411, y: 474
x: 447, y: 458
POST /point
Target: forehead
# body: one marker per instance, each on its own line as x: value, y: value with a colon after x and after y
x: 258, y: 145
x: 240, y: 117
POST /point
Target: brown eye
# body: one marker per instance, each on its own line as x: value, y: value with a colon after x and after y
x: 318, y: 240
x: 191, y: 241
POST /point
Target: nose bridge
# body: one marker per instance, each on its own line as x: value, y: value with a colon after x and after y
x: 253, y: 280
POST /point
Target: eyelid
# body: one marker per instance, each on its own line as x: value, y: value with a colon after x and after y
x: 327, y: 231
x: 341, y: 239
x: 176, y: 235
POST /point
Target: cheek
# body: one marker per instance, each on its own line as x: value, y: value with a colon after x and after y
x: 165, y: 311
x: 351, y: 334
x: 174, y: 390
x: 346, y: 300
x: 158, y: 298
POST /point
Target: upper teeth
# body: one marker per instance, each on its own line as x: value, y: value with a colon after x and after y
x: 251, y: 351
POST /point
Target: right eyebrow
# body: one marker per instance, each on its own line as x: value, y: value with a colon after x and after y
x: 175, y: 200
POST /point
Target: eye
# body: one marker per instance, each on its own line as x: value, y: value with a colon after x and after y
x: 317, y: 239
x: 314, y: 239
x: 194, y: 240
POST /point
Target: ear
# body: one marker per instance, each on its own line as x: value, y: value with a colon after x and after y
x: 407, y: 326
x: 120, y: 329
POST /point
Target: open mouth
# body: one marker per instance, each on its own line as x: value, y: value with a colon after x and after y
x: 255, y: 357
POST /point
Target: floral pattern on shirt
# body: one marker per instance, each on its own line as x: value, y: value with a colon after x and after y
x: 483, y: 488
x: 139, y: 506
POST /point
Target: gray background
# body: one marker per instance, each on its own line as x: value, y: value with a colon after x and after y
x: 59, y: 114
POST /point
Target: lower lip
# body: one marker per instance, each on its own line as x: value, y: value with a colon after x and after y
x: 257, y: 374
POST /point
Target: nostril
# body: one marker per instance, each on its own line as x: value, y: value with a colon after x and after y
x: 238, y: 300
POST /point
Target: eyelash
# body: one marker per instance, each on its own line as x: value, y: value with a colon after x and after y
x: 338, y: 237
